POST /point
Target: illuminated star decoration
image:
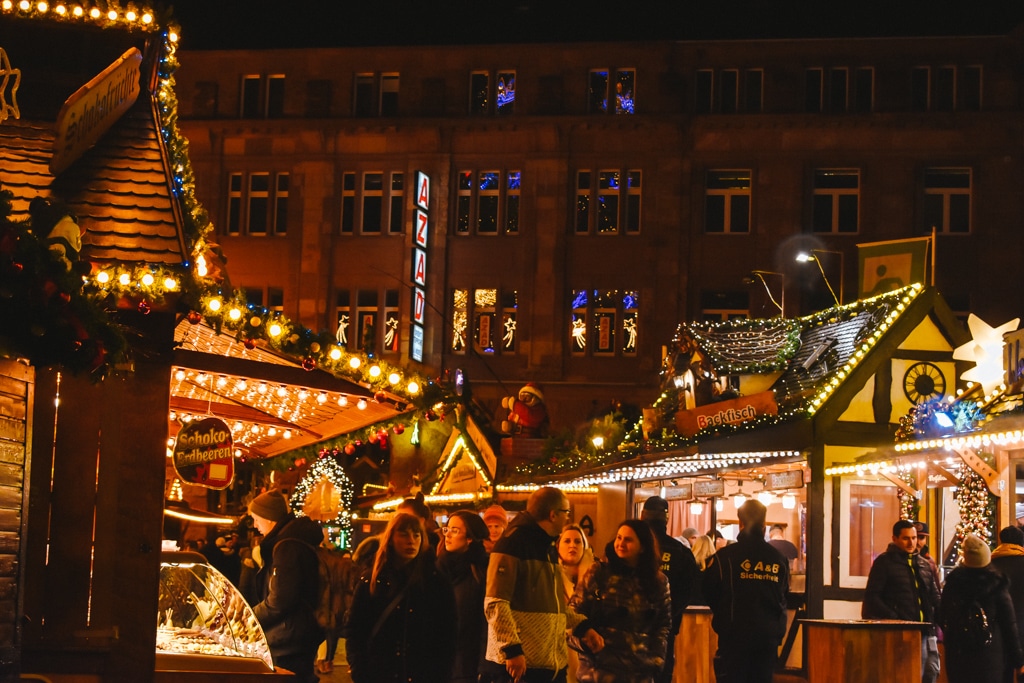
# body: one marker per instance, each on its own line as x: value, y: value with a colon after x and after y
x: 986, y: 351
x: 8, y: 109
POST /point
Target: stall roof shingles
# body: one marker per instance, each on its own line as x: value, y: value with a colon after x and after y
x: 119, y: 189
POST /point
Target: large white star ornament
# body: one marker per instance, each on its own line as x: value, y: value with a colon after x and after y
x: 986, y: 351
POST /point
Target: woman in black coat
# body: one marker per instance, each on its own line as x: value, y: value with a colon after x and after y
x: 462, y: 559
x: 974, y: 581
x: 401, y: 624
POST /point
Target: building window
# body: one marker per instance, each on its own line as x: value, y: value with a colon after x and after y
x: 256, y: 206
x: 604, y: 322
x: 946, y: 88
x: 729, y: 91
x: 483, y: 101
x: 947, y: 200
x: 366, y: 320
x: 601, y: 81
x: 717, y: 306
x: 616, y: 198
x: 343, y: 312
x: 204, y: 102
x: 262, y: 97
x: 273, y: 299
x: 727, y: 201
x: 391, y: 321
x: 376, y: 204
x: 863, y: 90
x: 319, y: 95
x: 492, y: 313
x: 488, y: 202
x: 376, y: 94
x: 836, y: 201
x: 845, y: 90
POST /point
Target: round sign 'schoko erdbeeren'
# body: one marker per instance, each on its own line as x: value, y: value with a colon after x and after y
x: 203, y: 454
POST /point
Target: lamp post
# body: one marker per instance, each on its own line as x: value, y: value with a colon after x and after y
x: 804, y: 257
x: 781, y: 303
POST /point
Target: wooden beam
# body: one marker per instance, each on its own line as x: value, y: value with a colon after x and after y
x: 991, y: 477
x: 901, y: 484
x: 942, y: 471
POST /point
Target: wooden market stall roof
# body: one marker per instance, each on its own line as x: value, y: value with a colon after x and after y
x: 811, y: 359
x: 274, y: 403
x: 120, y: 189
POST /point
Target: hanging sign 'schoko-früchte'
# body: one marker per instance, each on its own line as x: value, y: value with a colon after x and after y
x: 204, y: 454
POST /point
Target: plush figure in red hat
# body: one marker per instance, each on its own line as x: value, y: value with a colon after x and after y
x: 527, y: 414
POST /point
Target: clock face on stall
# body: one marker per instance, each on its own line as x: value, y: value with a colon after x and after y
x: 923, y: 382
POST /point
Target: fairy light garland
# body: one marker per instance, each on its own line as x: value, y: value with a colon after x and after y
x: 327, y: 467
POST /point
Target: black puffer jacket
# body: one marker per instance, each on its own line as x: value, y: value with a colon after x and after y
x: 966, y: 662
x: 1008, y: 560
x: 286, y: 587
x: 890, y: 593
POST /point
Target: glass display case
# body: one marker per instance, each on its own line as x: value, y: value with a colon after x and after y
x: 204, y: 623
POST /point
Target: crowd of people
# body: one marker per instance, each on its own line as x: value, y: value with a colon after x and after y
x: 485, y: 599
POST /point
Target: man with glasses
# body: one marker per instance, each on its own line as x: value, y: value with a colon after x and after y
x: 525, y: 603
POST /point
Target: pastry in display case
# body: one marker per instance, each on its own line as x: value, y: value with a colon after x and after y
x: 204, y: 623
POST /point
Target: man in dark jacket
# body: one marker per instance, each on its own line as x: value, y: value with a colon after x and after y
x: 1008, y: 560
x: 287, y: 584
x: 745, y: 584
x: 901, y: 585
x: 678, y: 566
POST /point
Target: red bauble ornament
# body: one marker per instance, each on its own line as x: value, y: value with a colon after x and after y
x: 430, y: 416
x: 300, y: 462
x: 383, y: 443
x: 76, y: 345
x: 349, y: 449
x: 373, y: 438
x: 380, y: 397
x: 194, y: 317
x: 308, y: 363
x: 145, y: 308
x: 249, y: 343
x: 399, y: 429
x: 64, y: 297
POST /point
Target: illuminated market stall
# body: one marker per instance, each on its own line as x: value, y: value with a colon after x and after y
x: 762, y: 408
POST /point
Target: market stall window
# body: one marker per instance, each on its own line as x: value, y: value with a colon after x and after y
x: 872, y: 508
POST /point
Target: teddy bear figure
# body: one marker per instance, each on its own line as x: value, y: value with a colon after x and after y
x: 527, y: 414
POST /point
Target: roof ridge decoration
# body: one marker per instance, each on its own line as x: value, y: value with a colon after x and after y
x: 809, y: 376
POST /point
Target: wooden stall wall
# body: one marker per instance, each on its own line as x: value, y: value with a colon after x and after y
x: 95, y: 524
x: 16, y: 395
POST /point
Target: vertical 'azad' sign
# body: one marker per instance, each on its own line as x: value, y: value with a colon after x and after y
x: 204, y: 454
x: 421, y: 237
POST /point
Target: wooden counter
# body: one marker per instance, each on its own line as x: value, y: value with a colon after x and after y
x: 695, y: 648
x: 851, y: 651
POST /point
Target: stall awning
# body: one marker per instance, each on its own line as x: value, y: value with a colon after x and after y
x: 272, y: 404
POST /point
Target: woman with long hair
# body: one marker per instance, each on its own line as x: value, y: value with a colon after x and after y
x: 575, y: 556
x: 401, y: 624
x: 462, y: 559
x: 626, y: 600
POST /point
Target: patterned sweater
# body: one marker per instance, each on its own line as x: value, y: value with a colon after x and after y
x: 525, y: 603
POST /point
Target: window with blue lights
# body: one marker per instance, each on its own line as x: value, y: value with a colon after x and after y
x: 488, y: 202
x: 492, y: 92
x: 611, y: 91
x: 489, y: 315
x: 604, y: 322
x: 608, y: 201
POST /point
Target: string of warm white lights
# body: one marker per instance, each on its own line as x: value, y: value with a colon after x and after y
x: 706, y: 462
x: 130, y: 18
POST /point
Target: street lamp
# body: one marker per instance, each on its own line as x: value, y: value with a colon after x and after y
x: 781, y: 304
x: 804, y: 257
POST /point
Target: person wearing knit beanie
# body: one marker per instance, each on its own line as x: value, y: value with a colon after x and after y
x: 976, y: 552
x: 270, y: 506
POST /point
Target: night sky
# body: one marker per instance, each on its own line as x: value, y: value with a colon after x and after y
x: 231, y: 24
